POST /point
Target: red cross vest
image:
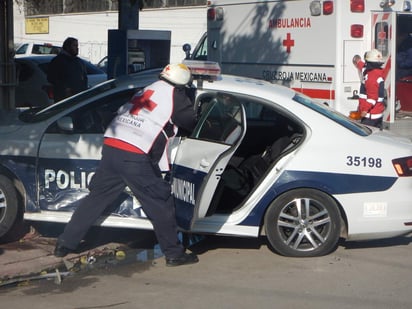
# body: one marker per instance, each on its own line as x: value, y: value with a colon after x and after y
x: 142, y: 119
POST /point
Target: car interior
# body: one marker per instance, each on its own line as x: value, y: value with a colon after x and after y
x: 270, y: 134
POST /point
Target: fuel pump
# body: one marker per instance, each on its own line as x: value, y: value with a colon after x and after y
x: 130, y: 51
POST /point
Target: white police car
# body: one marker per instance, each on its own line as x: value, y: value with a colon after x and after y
x: 263, y: 159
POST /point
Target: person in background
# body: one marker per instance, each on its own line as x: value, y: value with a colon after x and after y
x: 133, y: 155
x: 372, y: 90
x: 67, y: 72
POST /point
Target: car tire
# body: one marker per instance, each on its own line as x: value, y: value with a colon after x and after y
x: 303, y: 223
x: 11, y: 217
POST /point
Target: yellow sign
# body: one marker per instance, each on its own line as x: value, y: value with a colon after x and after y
x: 37, y: 25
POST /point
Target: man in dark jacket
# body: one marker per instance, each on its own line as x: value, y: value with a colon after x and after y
x: 67, y: 72
x: 133, y: 155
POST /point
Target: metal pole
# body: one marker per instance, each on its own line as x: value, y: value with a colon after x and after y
x: 7, y: 67
x: 129, y: 14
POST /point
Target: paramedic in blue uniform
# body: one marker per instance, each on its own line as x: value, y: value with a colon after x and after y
x: 372, y: 90
x: 133, y: 155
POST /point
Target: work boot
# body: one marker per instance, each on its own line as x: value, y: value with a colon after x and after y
x: 184, y: 259
x: 61, y: 251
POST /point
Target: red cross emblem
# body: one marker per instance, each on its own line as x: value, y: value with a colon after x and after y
x: 288, y: 43
x: 142, y: 101
x: 382, y: 34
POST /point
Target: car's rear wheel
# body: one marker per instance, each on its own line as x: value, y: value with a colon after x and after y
x: 303, y: 223
x: 11, y: 217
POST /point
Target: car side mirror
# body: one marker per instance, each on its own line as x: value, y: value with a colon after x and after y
x: 186, y: 48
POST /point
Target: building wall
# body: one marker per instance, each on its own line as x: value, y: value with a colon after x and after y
x: 187, y: 25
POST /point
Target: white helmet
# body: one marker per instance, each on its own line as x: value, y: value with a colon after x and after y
x: 374, y: 55
x: 178, y: 74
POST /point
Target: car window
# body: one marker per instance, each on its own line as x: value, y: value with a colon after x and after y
x: 200, y: 52
x: 92, y: 69
x: 43, y: 113
x: 24, y: 71
x: 333, y: 115
x: 22, y: 49
x: 96, y: 116
x: 222, y: 119
x: 45, y: 49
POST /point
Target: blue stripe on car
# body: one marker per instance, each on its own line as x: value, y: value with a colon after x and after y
x: 332, y: 183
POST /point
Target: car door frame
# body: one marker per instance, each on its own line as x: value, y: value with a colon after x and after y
x: 196, y: 176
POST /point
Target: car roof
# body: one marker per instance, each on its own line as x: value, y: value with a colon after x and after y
x: 249, y: 87
x: 38, y: 58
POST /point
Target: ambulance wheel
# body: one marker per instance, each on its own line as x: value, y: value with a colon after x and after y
x: 303, y: 223
x: 11, y: 217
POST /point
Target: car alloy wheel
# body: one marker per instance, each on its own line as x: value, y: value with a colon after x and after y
x: 303, y: 223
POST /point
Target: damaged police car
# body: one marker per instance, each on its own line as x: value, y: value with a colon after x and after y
x: 263, y: 160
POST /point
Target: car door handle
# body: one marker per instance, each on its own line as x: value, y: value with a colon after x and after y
x: 204, y: 163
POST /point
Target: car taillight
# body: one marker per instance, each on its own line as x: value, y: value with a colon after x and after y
x: 357, y: 6
x: 49, y: 90
x: 403, y: 166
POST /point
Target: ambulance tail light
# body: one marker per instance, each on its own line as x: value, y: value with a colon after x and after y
x: 356, y: 31
x: 215, y: 13
x: 327, y: 7
x: 357, y: 6
x: 403, y: 166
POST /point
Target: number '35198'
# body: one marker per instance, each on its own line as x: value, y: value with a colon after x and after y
x: 363, y: 161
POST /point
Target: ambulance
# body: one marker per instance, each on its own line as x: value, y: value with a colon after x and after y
x: 310, y: 45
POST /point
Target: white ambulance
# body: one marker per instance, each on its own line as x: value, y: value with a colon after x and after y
x: 309, y: 45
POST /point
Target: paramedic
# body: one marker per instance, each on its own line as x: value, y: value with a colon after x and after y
x: 133, y: 155
x: 372, y: 90
x: 67, y: 72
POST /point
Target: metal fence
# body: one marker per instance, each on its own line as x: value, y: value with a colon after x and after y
x: 51, y: 7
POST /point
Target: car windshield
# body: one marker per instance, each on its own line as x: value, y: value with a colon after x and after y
x: 42, y: 113
x: 333, y: 115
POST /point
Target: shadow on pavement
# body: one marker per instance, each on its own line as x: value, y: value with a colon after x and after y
x: 378, y: 243
x: 211, y: 242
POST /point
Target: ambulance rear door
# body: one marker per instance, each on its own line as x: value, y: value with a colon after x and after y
x: 201, y: 158
x: 383, y: 34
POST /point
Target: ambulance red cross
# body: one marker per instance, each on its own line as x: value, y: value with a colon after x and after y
x: 262, y: 160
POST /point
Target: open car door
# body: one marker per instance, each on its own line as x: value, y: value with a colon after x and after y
x: 201, y: 158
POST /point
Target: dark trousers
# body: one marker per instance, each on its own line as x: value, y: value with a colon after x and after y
x: 118, y: 169
x: 373, y: 122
